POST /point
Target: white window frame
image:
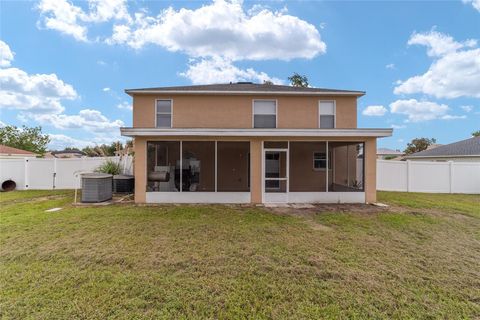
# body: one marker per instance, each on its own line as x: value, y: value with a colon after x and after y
x: 334, y: 113
x: 171, y: 113
x: 276, y: 112
x: 313, y: 161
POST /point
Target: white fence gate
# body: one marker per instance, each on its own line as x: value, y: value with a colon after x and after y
x: 53, y: 173
x: 428, y: 176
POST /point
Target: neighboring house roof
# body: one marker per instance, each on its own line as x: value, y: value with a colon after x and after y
x: 6, y: 150
x: 245, y: 88
x: 464, y: 148
x: 386, y: 151
x: 67, y: 153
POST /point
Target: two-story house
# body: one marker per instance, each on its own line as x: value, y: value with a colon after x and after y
x: 251, y: 143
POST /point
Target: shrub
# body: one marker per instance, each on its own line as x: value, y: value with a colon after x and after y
x: 110, y: 167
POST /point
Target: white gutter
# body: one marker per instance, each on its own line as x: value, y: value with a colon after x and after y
x: 219, y: 92
x: 133, y: 132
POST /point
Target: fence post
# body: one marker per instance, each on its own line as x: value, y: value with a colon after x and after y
x: 26, y: 172
x: 54, y: 172
x: 408, y: 176
x: 450, y: 163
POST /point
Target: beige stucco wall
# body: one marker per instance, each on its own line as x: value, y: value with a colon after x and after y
x: 200, y: 111
x: 255, y: 162
x: 371, y: 170
x: 139, y: 169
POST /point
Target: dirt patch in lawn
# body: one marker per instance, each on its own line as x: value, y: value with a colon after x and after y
x: 326, y: 208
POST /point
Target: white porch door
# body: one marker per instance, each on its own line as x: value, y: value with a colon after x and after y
x: 275, y: 175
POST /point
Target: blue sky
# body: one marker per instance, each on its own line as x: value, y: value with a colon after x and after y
x: 64, y: 65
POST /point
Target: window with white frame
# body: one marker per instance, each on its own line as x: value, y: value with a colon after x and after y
x: 264, y: 114
x: 327, y: 114
x: 164, y: 113
x: 319, y: 160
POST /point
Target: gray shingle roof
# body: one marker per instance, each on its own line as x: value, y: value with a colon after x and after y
x: 244, y: 87
x: 468, y: 147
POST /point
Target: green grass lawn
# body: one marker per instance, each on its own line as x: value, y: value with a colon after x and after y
x: 419, y: 259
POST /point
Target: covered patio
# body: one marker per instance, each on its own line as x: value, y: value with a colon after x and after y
x: 255, y: 165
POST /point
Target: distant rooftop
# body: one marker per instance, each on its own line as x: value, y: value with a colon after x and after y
x: 468, y: 147
x: 245, y: 88
x: 6, y: 150
x: 386, y: 151
x: 68, y: 152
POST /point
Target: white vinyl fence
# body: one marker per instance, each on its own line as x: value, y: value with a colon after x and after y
x: 53, y: 173
x: 428, y: 176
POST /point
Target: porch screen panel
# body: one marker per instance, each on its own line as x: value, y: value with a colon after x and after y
x: 307, y: 174
x: 347, y: 166
x: 198, y: 168
x: 163, y: 166
x: 233, y: 166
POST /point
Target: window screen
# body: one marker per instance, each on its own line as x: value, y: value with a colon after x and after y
x: 164, y: 113
x: 327, y: 114
x: 264, y: 114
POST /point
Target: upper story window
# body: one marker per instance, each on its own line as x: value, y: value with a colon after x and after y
x: 164, y: 114
x: 264, y: 114
x: 327, y: 114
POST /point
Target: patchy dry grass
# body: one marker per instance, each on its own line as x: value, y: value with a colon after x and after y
x: 124, y: 261
x: 468, y: 204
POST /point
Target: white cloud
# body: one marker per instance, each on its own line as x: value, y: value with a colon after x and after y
x: 375, y: 111
x: 62, y: 16
x: 61, y: 141
x: 39, y: 97
x: 6, y: 55
x: 455, y: 71
x: 106, y: 10
x: 106, y: 89
x: 223, y: 28
x: 398, y: 126
x: 439, y: 44
x: 419, y: 111
x: 475, y: 3
x: 453, y: 117
x: 467, y: 108
x: 66, y: 18
x: 86, y: 119
x: 218, y: 70
x: 390, y: 66
x: 35, y: 93
x: 125, y: 106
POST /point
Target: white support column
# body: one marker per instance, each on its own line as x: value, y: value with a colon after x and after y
x: 326, y: 168
x: 216, y: 163
x: 288, y: 168
x: 181, y: 165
